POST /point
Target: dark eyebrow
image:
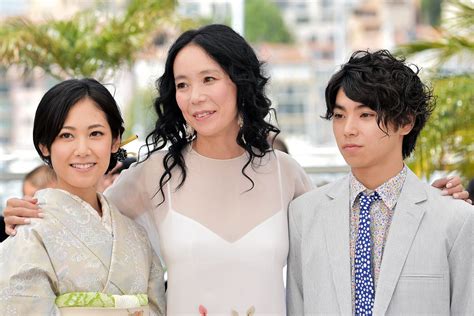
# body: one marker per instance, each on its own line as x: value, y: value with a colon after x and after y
x: 339, y: 107
x: 203, y: 72
x: 90, y: 127
x: 342, y: 108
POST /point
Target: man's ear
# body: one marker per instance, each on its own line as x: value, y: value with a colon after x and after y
x: 406, y: 129
x: 44, y: 150
x: 115, y: 144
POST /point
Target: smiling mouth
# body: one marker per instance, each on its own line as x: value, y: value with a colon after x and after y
x: 82, y: 165
x: 202, y: 115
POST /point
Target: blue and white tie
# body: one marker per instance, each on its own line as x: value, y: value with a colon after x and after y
x: 364, y: 283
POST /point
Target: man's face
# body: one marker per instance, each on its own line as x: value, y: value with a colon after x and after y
x: 363, y: 144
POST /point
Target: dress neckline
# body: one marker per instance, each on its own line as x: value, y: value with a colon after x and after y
x: 194, y: 152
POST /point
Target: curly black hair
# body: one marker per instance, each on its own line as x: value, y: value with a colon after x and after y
x: 239, y: 61
x: 388, y: 86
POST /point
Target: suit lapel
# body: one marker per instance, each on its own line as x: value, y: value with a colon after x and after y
x: 336, y: 229
x: 406, y: 220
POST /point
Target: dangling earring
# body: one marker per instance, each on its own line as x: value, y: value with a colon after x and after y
x: 240, y: 120
x: 189, y: 131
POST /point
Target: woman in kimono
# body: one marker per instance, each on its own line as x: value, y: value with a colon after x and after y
x: 84, y: 257
x: 211, y: 192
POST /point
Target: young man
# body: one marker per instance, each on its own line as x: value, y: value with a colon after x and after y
x: 379, y: 241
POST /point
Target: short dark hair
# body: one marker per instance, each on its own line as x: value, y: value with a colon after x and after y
x: 388, y: 86
x: 239, y: 61
x: 58, y: 101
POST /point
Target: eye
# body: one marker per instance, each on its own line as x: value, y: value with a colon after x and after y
x: 65, y: 135
x: 96, y: 133
x: 367, y: 115
x: 181, y: 85
x: 209, y: 79
x: 338, y: 116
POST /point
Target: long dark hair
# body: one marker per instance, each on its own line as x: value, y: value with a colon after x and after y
x: 237, y: 58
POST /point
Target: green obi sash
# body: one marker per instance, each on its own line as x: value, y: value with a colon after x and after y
x: 97, y: 299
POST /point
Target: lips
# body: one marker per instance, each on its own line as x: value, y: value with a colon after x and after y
x: 351, y: 148
x: 203, y: 114
x: 83, y: 166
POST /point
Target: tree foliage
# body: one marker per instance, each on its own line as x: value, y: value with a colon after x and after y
x: 264, y: 23
x: 447, y: 142
x: 457, y: 35
x: 87, y: 45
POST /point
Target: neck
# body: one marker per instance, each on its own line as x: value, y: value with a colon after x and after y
x: 217, y: 147
x: 88, y: 195
x: 374, y: 177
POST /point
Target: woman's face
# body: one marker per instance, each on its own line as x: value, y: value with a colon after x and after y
x: 80, y: 153
x: 205, y: 94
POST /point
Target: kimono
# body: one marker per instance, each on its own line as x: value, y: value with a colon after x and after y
x: 73, y: 251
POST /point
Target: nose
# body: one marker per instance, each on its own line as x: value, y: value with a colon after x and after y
x: 350, y: 127
x: 82, y: 147
x: 197, y: 95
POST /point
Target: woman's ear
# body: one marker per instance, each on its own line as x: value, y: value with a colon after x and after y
x: 44, y: 150
x: 115, y: 144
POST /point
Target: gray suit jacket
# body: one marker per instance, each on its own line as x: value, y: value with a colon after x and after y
x: 427, y: 265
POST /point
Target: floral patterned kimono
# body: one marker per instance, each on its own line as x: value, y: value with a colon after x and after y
x: 74, y: 262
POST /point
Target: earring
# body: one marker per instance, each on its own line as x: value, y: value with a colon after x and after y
x: 189, y: 131
x: 120, y: 155
x: 240, y: 121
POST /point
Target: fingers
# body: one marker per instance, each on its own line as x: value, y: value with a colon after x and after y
x: 27, y: 207
x: 454, y: 190
x: 447, y: 182
x: 440, y: 183
x: 10, y: 230
x: 453, y: 182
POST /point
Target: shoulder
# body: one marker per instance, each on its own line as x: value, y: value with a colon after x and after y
x: 150, y: 161
x: 286, y: 161
x: 312, y: 198
x: 451, y: 210
x: 52, y: 202
x: 445, y: 210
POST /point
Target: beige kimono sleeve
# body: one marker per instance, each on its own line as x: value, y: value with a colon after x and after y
x: 27, y: 280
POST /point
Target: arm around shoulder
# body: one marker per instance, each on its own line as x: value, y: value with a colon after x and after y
x: 132, y: 192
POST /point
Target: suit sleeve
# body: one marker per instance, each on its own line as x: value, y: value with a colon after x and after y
x: 294, y: 287
x: 461, y: 269
x: 156, y: 287
x: 28, y: 280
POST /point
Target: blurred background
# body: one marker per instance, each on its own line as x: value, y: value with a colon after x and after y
x: 123, y: 43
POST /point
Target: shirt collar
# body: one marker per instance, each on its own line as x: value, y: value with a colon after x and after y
x: 388, y: 191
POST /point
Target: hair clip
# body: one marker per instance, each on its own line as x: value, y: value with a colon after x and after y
x: 120, y: 155
x: 128, y: 140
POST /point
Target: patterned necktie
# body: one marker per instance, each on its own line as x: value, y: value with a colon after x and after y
x: 364, y: 283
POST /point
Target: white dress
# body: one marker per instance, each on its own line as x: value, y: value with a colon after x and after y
x: 224, y: 246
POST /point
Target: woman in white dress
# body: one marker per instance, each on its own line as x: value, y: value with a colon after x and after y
x: 214, y: 203
x: 218, y: 197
